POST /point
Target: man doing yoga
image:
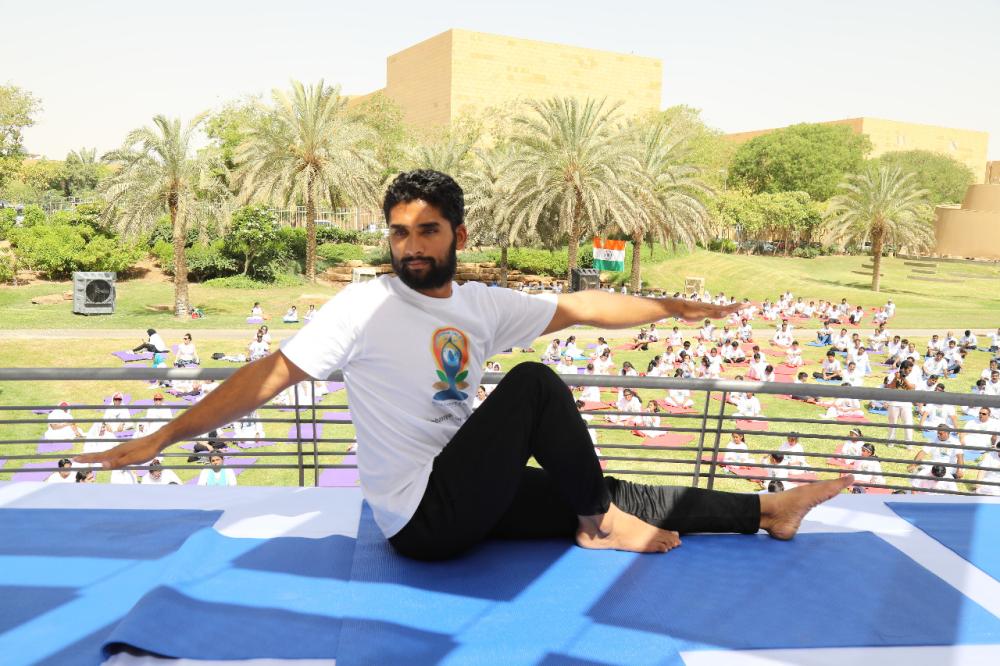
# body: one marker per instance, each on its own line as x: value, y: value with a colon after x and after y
x: 439, y: 476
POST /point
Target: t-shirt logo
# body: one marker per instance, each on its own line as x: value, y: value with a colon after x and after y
x: 450, y: 347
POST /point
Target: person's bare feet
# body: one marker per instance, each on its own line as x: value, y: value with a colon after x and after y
x: 617, y: 530
x: 782, y: 513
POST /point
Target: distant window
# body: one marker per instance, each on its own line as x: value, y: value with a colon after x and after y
x: 953, y: 145
x: 900, y: 140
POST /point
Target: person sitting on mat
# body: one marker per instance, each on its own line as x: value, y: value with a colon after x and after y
x: 737, y: 452
x: 439, y: 477
x: 292, y: 316
x: 153, y: 343
x: 216, y: 475
x: 832, y: 370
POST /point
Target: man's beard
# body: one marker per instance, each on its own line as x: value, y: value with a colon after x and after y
x: 435, y: 275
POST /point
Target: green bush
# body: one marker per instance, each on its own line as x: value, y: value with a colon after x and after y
x: 163, y: 231
x: 107, y: 254
x: 807, y: 252
x: 293, y: 245
x: 246, y: 282
x: 478, y: 256
x: 724, y: 245
x: 253, y: 240
x: 33, y: 215
x: 7, y: 267
x: 337, y: 254
x: 52, y: 250
x: 7, y: 218
x: 378, y: 255
x: 333, y: 234
x: 205, y: 261
x: 540, y: 262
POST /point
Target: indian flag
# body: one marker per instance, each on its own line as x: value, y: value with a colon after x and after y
x: 609, y: 255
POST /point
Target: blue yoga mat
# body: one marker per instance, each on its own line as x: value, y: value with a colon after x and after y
x: 972, y: 531
x: 818, y: 590
x: 505, y: 602
x: 89, y: 581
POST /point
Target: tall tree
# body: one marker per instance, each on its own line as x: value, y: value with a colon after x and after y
x: 880, y: 205
x: 572, y: 162
x: 811, y: 158
x: 159, y: 174
x: 669, y: 195
x: 80, y: 172
x: 307, y: 148
x: 945, y: 179
x: 488, y: 212
x: 17, y: 111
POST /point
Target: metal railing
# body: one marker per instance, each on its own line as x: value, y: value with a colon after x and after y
x: 358, y: 219
x: 704, y: 460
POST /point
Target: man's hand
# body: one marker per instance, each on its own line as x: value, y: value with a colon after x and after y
x: 603, y: 310
x: 134, y: 452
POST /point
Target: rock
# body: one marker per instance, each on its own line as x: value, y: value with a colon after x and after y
x: 354, y: 263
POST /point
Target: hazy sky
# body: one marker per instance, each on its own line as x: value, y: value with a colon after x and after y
x: 104, y: 67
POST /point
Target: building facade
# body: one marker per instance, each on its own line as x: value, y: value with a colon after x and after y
x: 461, y: 72
x: 966, y: 146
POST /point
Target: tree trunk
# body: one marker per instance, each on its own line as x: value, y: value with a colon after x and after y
x: 180, y: 259
x: 574, y: 246
x: 876, y: 259
x: 310, y: 230
x: 503, y: 265
x: 636, y: 279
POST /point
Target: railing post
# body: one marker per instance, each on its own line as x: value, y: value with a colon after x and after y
x: 312, y: 383
x: 713, y: 466
x: 701, y: 439
x: 298, y: 436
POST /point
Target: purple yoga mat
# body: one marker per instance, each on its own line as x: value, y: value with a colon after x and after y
x: 335, y: 386
x: 46, y: 446
x: 131, y: 357
x: 339, y: 415
x: 341, y: 478
x: 33, y: 476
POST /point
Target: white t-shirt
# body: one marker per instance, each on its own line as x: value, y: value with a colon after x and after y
x: 157, y: 341
x: 56, y: 477
x: 428, y: 374
x: 167, y: 476
x: 186, y: 351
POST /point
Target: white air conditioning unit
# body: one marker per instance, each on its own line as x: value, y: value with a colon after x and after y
x: 93, y: 293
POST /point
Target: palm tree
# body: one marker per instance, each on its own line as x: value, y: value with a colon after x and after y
x: 670, y: 194
x: 158, y: 174
x: 572, y: 163
x: 305, y: 148
x: 881, y: 205
x: 80, y: 171
x: 488, y: 212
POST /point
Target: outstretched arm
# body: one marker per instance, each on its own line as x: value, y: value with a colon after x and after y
x: 249, y: 388
x: 606, y: 310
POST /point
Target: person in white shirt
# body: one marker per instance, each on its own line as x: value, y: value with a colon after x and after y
x: 590, y: 393
x: 987, y: 372
x: 749, y: 406
x: 852, y: 446
x: 936, y: 454
x: 216, y: 475
x: 310, y: 313
x: 291, y: 316
x: 258, y: 349
x: 154, y: 343
x: 832, y: 370
x: 793, y: 357
x: 893, y: 349
x: 650, y: 420
x: 881, y: 316
x: 853, y: 376
x: 968, y: 341
x: 979, y: 442
x: 932, y: 416
x: 890, y: 308
x: 678, y: 397
x: 745, y: 331
x: 58, y: 430
x: 989, y: 473
x: 566, y: 366
x: 426, y: 457
x: 707, y: 332
x: 604, y: 365
x: 256, y: 311
x: 843, y: 408
x: 879, y: 339
x: 757, y: 369
x: 939, y: 481
x: 117, y: 417
x: 783, y: 336
x: 161, y: 414
x: 480, y: 397
x: 936, y: 365
x: 675, y: 338
x: 856, y: 316
x: 993, y: 385
x: 571, y: 349
x: 733, y: 353
x: 824, y: 334
x: 792, y: 449
x: 841, y: 341
x: 187, y: 355
x: 995, y: 341
x: 158, y: 476
x: 123, y: 477
x: 955, y: 357
x: 627, y: 402
x: 553, y: 352
x: 868, y: 470
x: 66, y: 474
x: 737, y: 452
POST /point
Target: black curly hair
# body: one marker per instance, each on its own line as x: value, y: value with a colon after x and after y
x: 438, y: 189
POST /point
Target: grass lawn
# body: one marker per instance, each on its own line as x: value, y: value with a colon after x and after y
x: 973, y: 303
x: 96, y: 353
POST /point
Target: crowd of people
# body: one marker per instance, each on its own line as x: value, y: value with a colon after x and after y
x: 777, y: 355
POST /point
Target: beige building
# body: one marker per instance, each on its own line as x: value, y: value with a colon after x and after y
x: 972, y: 230
x: 462, y: 72
x: 967, y: 146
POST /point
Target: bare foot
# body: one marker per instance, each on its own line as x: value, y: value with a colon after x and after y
x: 782, y: 513
x: 617, y: 530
